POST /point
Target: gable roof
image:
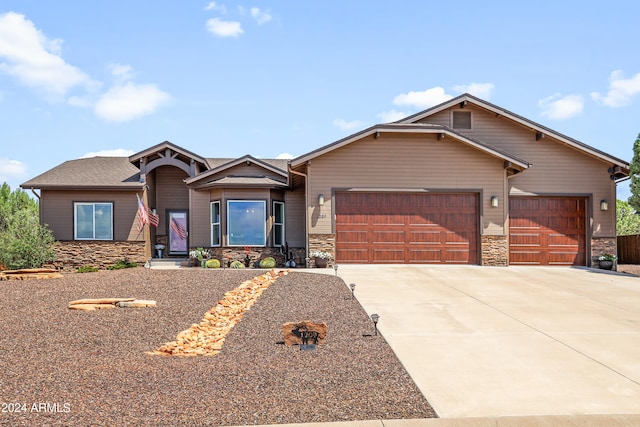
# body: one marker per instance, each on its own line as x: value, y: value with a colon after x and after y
x: 276, y: 166
x: 468, y: 98
x: 416, y: 128
x: 159, y: 149
x: 102, y: 173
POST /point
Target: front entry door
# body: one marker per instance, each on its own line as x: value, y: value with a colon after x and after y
x: 177, y: 232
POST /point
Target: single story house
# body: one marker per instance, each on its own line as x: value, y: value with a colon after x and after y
x: 463, y: 182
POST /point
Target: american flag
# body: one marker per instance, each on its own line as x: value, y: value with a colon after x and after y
x: 143, y: 216
x: 146, y: 216
x: 178, y: 228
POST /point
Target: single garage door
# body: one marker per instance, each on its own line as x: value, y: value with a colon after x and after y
x: 406, y: 228
x: 547, y: 231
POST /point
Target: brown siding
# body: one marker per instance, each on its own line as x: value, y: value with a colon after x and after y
x: 58, y: 214
x: 200, y: 219
x: 403, y: 162
x: 171, y: 192
x: 556, y: 168
x: 295, y: 218
x: 245, y: 170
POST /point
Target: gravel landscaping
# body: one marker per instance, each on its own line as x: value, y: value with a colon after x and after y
x: 68, y: 367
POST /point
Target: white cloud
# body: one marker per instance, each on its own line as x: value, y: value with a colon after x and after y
x: 129, y: 101
x: 621, y: 90
x: 121, y: 72
x: 216, y: 7
x: 391, y: 116
x: 222, y: 28
x: 423, y: 99
x: 559, y: 107
x: 12, y: 168
x: 481, y: 90
x: 284, y: 156
x: 118, y: 152
x: 260, y: 16
x: 345, y: 125
x: 34, y: 60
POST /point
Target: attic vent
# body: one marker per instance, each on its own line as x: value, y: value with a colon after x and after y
x: 461, y: 119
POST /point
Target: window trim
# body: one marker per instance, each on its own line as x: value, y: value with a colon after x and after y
x: 93, y: 205
x: 453, y: 113
x: 264, y: 223
x: 282, y: 224
x: 219, y: 224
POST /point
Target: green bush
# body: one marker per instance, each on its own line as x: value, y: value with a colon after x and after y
x: 268, y: 262
x: 122, y: 263
x: 213, y: 263
x: 237, y: 264
x: 87, y: 269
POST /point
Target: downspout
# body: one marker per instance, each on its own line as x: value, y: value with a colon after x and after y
x: 306, y: 209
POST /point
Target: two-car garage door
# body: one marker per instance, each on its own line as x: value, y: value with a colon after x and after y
x: 406, y: 228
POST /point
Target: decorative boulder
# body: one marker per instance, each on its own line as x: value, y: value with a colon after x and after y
x: 304, y: 332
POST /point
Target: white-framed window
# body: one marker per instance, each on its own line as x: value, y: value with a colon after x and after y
x: 278, y: 224
x: 461, y: 120
x: 215, y: 223
x: 93, y: 221
x: 246, y: 222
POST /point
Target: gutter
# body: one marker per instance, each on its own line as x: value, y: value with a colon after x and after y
x: 306, y: 209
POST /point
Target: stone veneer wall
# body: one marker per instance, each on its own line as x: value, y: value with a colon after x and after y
x: 324, y: 243
x: 70, y: 255
x: 602, y: 245
x: 495, y: 250
x: 227, y: 255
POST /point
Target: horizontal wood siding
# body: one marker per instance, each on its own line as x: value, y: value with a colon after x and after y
x: 58, y: 212
x: 295, y: 218
x: 199, y: 219
x: 171, y: 193
x: 403, y: 162
x: 556, y: 168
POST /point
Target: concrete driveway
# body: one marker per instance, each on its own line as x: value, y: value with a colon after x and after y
x: 517, y: 341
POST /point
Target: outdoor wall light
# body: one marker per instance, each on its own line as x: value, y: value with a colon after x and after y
x: 321, y: 199
x: 374, y: 318
x: 352, y: 286
x: 604, y: 205
x: 494, y: 201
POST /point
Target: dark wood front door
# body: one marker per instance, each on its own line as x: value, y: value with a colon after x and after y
x: 547, y: 231
x: 406, y: 228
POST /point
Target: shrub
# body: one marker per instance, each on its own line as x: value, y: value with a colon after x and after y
x: 268, y: 262
x: 213, y: 263
x: 237, y: 264
x: 86, y: 269
x: 122, y: 263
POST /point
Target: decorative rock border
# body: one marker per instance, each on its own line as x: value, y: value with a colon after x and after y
x: 207, y: 337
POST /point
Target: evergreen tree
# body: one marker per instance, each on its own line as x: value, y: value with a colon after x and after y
x: 24, y: 242
x: 627, y: 220
x: 634, y: 199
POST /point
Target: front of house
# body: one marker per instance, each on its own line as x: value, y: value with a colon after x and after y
x: 465, y: 182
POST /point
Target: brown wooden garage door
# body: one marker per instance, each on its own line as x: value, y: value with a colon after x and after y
x: 406, y: 228
x: 547, y: 231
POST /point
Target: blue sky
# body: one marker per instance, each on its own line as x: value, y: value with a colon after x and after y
x: 224, y: 79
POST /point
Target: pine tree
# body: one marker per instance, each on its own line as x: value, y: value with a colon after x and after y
x: 634, y: 199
